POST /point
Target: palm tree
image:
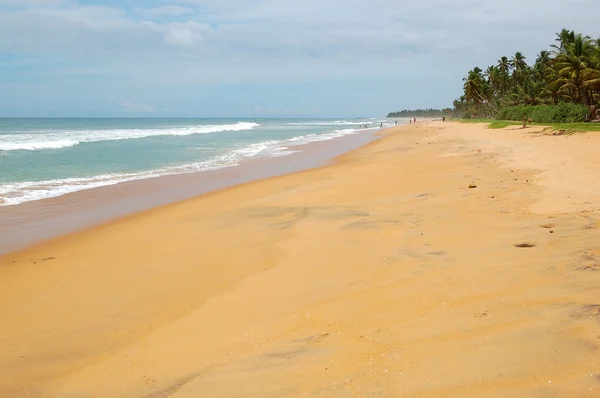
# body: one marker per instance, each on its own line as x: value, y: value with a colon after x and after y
x: 473, y: 86
x: 519, y: 67
x: 592, y: 75
x: 461, y: 106
x: 541, y: 73
x: 518, y: 62
x: 494, y: 78
x: 554, y: 88
x: 543, y: 59
x: 480, y: 93
x: 569, y: 72
x: 504, y: 67
x: 574, y: 66
x: 564, y: 38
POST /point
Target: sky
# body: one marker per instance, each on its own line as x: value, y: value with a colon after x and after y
x: 261, y: 58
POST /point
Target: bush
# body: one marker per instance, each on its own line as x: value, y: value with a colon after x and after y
x: 512, y: 113
x: 561, y: 113
x: 569, y: 113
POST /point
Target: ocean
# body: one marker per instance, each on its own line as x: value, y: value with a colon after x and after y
x: 43, y: 158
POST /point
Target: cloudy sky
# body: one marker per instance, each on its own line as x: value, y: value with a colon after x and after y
x: 244, y: 58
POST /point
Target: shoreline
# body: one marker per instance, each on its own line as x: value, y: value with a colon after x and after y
x: 382, y: 273
x: 30, y: 223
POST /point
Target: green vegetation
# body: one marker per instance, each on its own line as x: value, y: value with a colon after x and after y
x: 567, y: 127
x: 563, y: 85
x: 475, y: 120
x: 576, y: 127
x: 492, y: 124
x: 500, y: 124
x: 561, y: 113
x: 420, y: 113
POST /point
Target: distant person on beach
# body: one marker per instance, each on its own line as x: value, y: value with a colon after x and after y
x: 443, y: 118
x: 415, y: 120
x: 395, y: 122
x: 381, y: 125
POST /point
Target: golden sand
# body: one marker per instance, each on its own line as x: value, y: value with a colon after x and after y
x: 381, y: 275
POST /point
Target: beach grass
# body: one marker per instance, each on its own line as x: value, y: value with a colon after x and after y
x: 567, y: 127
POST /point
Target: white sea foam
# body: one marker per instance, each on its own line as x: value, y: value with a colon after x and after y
x: 328, y: 123
x: 19, y: 192
x: 35, y: 145
x: 65, y: 139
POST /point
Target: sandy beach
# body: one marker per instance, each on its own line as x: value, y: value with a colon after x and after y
x: 443, y: 260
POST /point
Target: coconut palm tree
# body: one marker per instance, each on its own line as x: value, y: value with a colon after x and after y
x: 592, y: 75
x: 554, y: 90
x: 518, y: 62
x: 480, y: 93
x: 544, y: 59
x: 461, y: 106
x: 574, y: 65
x: 519, y: 67
x: 494, y: 78
x: 569, y: 72
x: 564, y: 38
x: 504, y: 67
x: 473, y: 86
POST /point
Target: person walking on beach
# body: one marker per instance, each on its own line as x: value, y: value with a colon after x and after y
x: 381, y: 125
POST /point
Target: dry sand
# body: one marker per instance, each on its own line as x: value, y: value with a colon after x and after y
x: 381, y: 275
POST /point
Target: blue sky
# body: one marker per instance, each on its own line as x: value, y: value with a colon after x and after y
x: 261, y: 57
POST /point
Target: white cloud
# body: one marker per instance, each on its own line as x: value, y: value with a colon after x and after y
x: 186, y: 34
x: 165, y: 11
x: 253, y: 42
x: 33, y: 3
x: 284, y: 31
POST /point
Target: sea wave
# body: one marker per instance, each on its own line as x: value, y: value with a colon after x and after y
x: 66, y: 139
x: 331, y: 123
x: 18, y: 192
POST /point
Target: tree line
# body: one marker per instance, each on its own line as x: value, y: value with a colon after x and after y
x: 406, y: 113
x: 568, y: 73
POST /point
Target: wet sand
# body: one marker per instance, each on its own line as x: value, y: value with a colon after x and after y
x: 383, y: 274
x: 23, y: 225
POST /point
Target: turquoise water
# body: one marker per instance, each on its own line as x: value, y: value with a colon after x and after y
x: 41, y: 158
